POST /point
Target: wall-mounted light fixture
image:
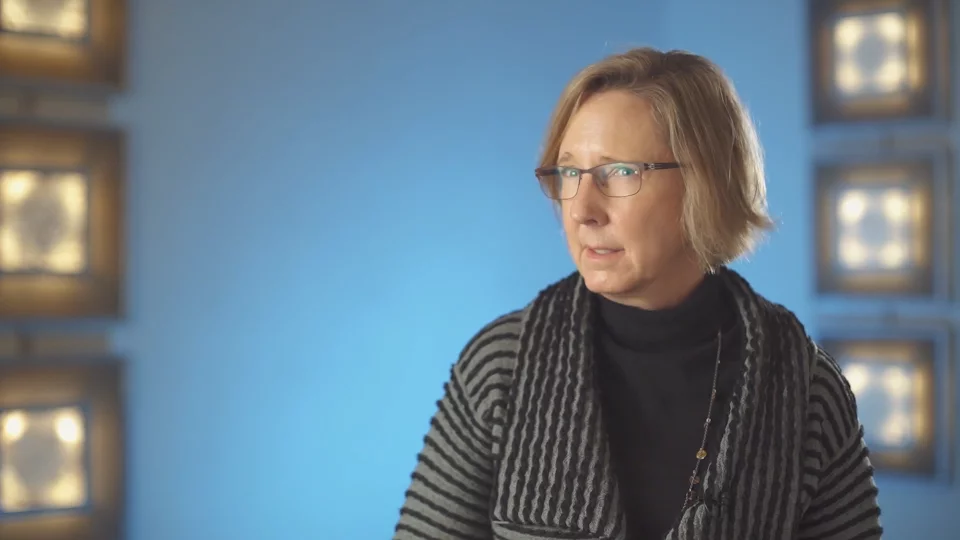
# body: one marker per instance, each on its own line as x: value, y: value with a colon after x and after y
x: 878, y: 59
x: 900, y: 378
x: 54, y: 19
x: 76, y: 43
x: 60, y: 222
x: 879, y: 230
x: 43, y: 222
x: 43, y: 460
x: 61, y: 450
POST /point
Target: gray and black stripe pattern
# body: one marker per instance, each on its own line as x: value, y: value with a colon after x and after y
x: 517, y: 448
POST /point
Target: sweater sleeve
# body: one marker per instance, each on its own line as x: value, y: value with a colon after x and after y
x: 449, y: 495
x: 839, y: 486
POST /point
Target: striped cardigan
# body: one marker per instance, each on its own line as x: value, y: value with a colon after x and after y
x: 517, y: 449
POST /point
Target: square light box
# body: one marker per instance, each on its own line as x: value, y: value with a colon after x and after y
x: 878, y: 228
x: 43, y: 460
x: 61, y: 450
x: 79, y: 43
x: 60, y: 223
x: 902, y: 386
x: 44, y: 221
x: 878, y: 59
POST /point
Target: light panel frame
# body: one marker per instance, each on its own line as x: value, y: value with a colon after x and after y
x: 929, y: 79
x: 98, y: 293
x: 94, y: 64
x: 95, y: 383
x: 926, y: 173
x: 929, y: 346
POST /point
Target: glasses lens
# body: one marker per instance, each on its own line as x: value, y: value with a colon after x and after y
x: 557, y: 185
x: 619, y: 179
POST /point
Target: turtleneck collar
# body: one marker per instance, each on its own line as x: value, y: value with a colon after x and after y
x: 694, y: 321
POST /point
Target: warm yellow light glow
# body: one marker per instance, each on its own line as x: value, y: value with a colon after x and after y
x: 14, y: 424
x: 858, y: 376
x: 853, y: 205
x: 896, y: 206
x: 69, y: 426
x: 896, y: 382
x: 891, y: 74
x: 849, y: 78
x: 850, y: 35
x: 16, y: 185
x: 43, y: 222
x: 65, y: 19
x: 896, y: 430
x: 852, y: 253
x: 893, y: 255
x: 13, y: 496
x: 892, y: 26
x: 68, y: 491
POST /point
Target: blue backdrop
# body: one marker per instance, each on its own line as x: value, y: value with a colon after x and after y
x: 328, y: 198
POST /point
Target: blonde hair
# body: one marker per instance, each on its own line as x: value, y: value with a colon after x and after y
x: 707, y: 128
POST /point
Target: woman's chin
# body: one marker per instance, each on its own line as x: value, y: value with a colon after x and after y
x: 605, y: 282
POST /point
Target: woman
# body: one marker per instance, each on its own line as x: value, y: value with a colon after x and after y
x: 652, y: 393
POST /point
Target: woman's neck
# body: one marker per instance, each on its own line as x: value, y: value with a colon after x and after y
x: 667, y: 290
x: 696, y: 318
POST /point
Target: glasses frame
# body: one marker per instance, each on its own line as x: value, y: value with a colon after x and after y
x: 643, y: 166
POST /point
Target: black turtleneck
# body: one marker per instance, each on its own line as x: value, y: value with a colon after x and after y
x: 655, y: 373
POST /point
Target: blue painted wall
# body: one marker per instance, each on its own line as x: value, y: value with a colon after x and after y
x: 327, y: 199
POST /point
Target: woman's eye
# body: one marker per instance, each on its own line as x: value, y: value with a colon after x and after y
x: 624, y: 171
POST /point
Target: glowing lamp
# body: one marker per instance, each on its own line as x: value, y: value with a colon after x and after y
x: 61, y: 449
x: 75, y: 43
x: 876, y: 228
x: 56, y: 19
x: 43, y: 460
x: 895, y: 379
x: 60, y: 226
x: 877, y: 59
x: 43, y: 222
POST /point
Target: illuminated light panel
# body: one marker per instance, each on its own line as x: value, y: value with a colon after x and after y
x: 42, y: 460
x: 878, y: 60
x: 890, y: 398
x: 872, y: 54
x: 877, y: 228
x: 63, y: 19
x: 877, y: 232
x: 894, y: 372
x: 43, y: 222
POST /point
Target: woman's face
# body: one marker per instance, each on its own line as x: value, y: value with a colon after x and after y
x: 629, y: 249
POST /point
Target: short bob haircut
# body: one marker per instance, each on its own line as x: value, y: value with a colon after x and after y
x: 709, y: 132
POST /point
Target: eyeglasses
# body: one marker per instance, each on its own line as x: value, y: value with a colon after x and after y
x: 613, y: 179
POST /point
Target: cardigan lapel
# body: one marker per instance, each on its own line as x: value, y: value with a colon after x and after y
x: 556, y: 473
x: 708, y: 516
x: 752, y: 485
x: 758, y: 469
